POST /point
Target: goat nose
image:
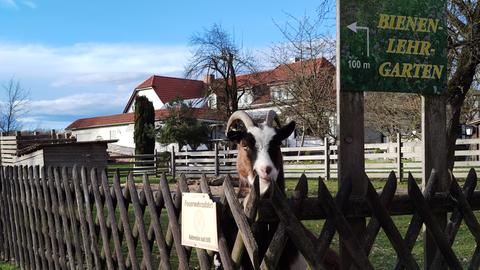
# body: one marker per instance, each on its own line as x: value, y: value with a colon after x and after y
x: 268, y: 169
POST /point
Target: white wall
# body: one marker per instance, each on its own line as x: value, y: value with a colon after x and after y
x: 151, y: 95
x: 122, y: 133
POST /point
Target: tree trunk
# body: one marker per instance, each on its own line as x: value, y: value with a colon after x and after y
x: 458, y: 87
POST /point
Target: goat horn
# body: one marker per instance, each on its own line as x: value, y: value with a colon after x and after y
x: 242, y: 116
x: 271, y: 115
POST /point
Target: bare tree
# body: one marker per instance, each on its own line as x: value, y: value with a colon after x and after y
x: 217, y: 53
x: 304, y: 59
x: 14, y: 105
x: 464, y: 58
x: 392, y: 113
x: 471, y: 109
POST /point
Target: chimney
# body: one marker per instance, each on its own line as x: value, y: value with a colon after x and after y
x: 208, y: 79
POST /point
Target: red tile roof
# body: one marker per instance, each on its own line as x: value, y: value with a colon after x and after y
x: 128, y: 118
x: 168, y: 88
x: 281, y: 73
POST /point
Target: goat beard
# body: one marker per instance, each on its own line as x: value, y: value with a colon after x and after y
x: 264, y: 183
x: 264, y: 186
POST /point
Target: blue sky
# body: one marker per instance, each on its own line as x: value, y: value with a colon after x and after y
x: 83, y: 58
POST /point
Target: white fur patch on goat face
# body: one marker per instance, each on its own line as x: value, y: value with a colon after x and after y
x: 263, y: 136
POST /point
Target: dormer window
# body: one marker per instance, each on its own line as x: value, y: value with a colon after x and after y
x: 246, y: 99
x: 212, y: 101
x: 280, y: 94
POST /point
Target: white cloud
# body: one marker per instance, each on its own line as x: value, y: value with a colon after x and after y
x: 33, y: 123
x: 59, y: 112
x: 83, y: 80
x: 16, y: 3
x: 92, y: 78
x: 90, y: 60
x: 81, y: 104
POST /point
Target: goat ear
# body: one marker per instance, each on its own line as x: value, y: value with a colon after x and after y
x: 235, y: 136
x: 285, y: 131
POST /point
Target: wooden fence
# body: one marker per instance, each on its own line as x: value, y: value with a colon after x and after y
x: 51, y: 221
x: 150, y: 164
x: 381, y: 159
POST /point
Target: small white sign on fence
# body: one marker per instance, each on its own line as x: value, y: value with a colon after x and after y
x: 199, y: 221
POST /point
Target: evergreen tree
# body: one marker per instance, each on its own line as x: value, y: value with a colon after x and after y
x: 144, y: 125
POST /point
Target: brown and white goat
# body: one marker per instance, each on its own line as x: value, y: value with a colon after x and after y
x: 259, y: 154
x: 259, y: 149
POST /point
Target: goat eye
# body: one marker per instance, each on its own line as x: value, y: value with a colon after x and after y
x: 246, y: 148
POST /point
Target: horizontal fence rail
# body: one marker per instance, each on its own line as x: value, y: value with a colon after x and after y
x: 380, y: 160
x: 69, y: 218
x: 139, y: 164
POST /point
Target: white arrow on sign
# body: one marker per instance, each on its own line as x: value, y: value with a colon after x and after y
x: 354, y: 27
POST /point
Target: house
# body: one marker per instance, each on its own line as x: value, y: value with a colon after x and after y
x: 286, y: 85
x: 161, y: 90
x: 258, y: 93
x: 271, y: 90
x: 158, y: 89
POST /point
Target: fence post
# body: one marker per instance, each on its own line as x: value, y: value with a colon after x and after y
x: 155, y: 161
x: 18, y: 135
x: 1, y: 148
x: 327, y: 158
x: 217, y: 168
x: 399, y: 157
x: 172, y: 161
x: 434, y: 157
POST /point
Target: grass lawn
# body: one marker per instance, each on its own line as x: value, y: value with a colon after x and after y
x: 6, y: 266
x: 383, y: 255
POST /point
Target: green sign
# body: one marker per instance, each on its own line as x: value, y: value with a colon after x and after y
x: 393, y: 45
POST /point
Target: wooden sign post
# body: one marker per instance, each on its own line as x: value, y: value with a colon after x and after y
x: 351, y: 157
x: 394, y: 46
x: 351, y: 161
x: 434, y: 137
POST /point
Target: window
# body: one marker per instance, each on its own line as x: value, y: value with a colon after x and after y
x: 281, y: 94
x: 212, y: 101
x: 246, y: 99
x: 114, y: 134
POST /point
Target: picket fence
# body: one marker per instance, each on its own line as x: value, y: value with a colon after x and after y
x: 71, y: 218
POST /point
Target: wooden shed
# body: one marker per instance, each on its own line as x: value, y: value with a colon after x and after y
x: 88, y: 154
